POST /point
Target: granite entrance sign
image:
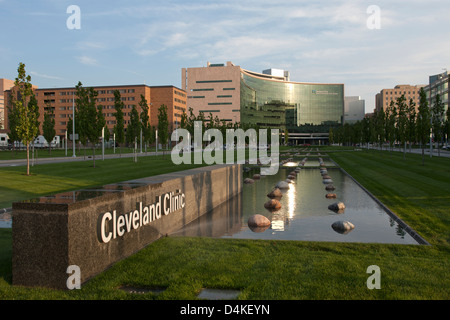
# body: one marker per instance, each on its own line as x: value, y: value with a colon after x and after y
x: 95, y: 228
x: 142, y: 216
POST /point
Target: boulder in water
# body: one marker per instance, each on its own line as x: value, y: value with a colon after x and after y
x: 248, y: 181
x: 273, y: 205
x: 282, y: 185
x: 338, y: 206
x: 342, y: 227
x: 275, y: 193
x: 258, y: 223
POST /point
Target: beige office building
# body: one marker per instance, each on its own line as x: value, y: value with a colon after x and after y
x: 5, y: 84
x: 214, y: 89
x: 384, y: 98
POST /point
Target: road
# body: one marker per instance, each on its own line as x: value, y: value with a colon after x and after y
x: 23, y: 162
x: 443, y: 153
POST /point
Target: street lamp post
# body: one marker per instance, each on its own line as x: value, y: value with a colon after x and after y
x: 73, y: 123
x: 103, y: 143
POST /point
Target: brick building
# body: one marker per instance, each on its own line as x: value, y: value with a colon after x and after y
x: 384, y: 98
x: 61, y: 101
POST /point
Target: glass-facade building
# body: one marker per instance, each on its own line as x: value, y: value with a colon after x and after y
x: 268, y: 100
x: 438, y: 85
x: 297, y: 107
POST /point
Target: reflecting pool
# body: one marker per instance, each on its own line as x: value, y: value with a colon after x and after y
x: 5, y: 220
x: 304, y: 213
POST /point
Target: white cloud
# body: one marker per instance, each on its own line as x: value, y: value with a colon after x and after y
x: 91, y: 45
x: 45, y: 76
x: 89, y: 61
x: 320, y: 40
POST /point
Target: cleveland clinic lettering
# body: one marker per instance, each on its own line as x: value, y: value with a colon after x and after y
x: 114, y: 225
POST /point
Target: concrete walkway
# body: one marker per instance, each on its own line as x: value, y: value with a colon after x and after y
x: 23, y: 162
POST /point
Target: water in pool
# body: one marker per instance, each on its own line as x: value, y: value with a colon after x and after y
x: 304, y: 213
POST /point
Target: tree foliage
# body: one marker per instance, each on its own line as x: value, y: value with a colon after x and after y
x: 163, y: 124
x: 25, y: 113
x: 134, y: 127
x: 400, y: 123
x: 48, y: 128
x: 437, y: 113
x: 119, y: 127
x: 89, y: 117
x: 145, y: 121
x: 423, y: 121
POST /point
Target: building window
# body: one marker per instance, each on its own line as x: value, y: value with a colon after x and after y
x: 225, y: 96
x: 180, y: 93
x: 213, y: 81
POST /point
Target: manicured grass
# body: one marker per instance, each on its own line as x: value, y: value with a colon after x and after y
x: 272, y: 270
x: 292, y: 269
x: 47, y: 179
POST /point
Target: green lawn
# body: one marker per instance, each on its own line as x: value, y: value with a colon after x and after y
x: 47, y: 179
x: 286, y: 269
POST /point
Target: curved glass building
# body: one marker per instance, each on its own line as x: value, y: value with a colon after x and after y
x: 298, y: 107
x: 268, y: 100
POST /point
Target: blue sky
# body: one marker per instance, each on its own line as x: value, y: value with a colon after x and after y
x: 137, y: 41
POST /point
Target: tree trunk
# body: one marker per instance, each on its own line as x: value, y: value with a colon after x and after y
x: 423, y: 156
x: 28, y: 159
x: 93, y: 157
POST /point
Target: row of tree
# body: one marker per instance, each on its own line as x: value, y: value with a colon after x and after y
x: 24, y: 124
x: 400, y: 123
x: 210, y: 122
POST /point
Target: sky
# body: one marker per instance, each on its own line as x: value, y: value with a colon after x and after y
x: 366, y: 45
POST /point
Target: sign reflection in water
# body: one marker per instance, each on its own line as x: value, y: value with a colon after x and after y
x: 304, y: 215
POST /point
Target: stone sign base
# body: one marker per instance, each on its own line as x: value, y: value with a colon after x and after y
x: 92, y: 229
